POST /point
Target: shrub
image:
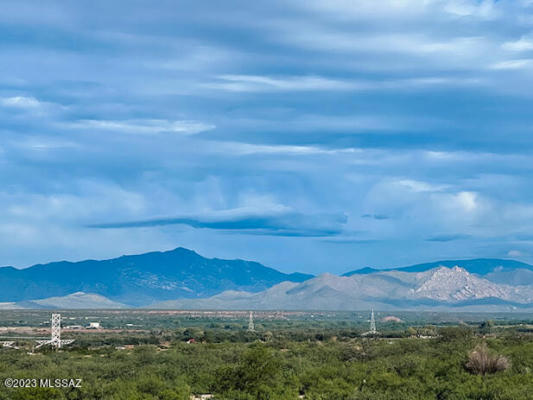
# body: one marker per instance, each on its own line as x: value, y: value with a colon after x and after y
x: 481, y: 361
x: 455, y: 333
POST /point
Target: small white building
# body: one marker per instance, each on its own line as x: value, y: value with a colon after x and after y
x: 94, y: 325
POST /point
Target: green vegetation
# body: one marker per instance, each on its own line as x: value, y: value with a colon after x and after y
x: 283, y: 362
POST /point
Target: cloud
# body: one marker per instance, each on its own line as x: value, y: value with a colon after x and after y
x: 414, y: 110
x: 255, y: 83
x: 393, y: 9
x: 379, y: 217
x: 397, y: 43
x: 447, y: 237
x: 142, y: 126
x: 20, y: 102
x: 512, y: 64
x: 485, y: 9
x: 44, y: 144
x: 422, y: 210
x: 419, y: 186
x: 349, y: 241
x: 238, y: 148
x: 467, y: 200
x: 523, y: 237
x: 525, y: 43
x: 515, y: 253
x: 280, y: 223
x: 245, y: 149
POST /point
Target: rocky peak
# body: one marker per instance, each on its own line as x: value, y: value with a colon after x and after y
x: 456, y: 284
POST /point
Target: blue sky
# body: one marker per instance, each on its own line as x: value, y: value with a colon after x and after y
x: 317, y: 135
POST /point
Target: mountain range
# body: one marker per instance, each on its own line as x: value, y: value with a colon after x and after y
x: 138, y: 280
x: 181, y: 278
x: 436, y: 288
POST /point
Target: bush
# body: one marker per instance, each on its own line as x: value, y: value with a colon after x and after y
x: 481, y: 361
x: 455, y: 333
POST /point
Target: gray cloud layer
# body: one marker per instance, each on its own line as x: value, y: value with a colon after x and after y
x: 280, y: 224
x: 412, y: 119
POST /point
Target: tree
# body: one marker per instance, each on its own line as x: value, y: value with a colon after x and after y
x: 450, y: 333
x: 258, y: 374
x: 486, y: 327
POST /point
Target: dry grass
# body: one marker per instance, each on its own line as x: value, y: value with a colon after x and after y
x: 481, y: 361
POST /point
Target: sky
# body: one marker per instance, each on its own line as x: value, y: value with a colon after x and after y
x: 314, y: 136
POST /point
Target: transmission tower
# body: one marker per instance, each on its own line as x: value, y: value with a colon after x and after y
x: 373, y: 330
x: 372, y: 323
x: 251, y: 326
x: 55, y: 340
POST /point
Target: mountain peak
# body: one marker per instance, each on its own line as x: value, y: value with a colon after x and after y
x: 456, y: 284
x: 447, y: 271
x: 362, y: 271
x: 182, y: 250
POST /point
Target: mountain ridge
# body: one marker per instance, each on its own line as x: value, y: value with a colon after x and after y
x: 438, y: 288
x: 140, y: 279
x: 481, y: 266
x: 182, y: 277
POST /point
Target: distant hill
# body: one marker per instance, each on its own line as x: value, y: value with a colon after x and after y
x: 143, y: 279
x: 74, y: 301
x: 493, y: 269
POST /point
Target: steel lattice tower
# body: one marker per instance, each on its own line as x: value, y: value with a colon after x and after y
x: 251, y: 326
x: 56, y: 330
x: 55, y: 340
x: 372, y: 323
